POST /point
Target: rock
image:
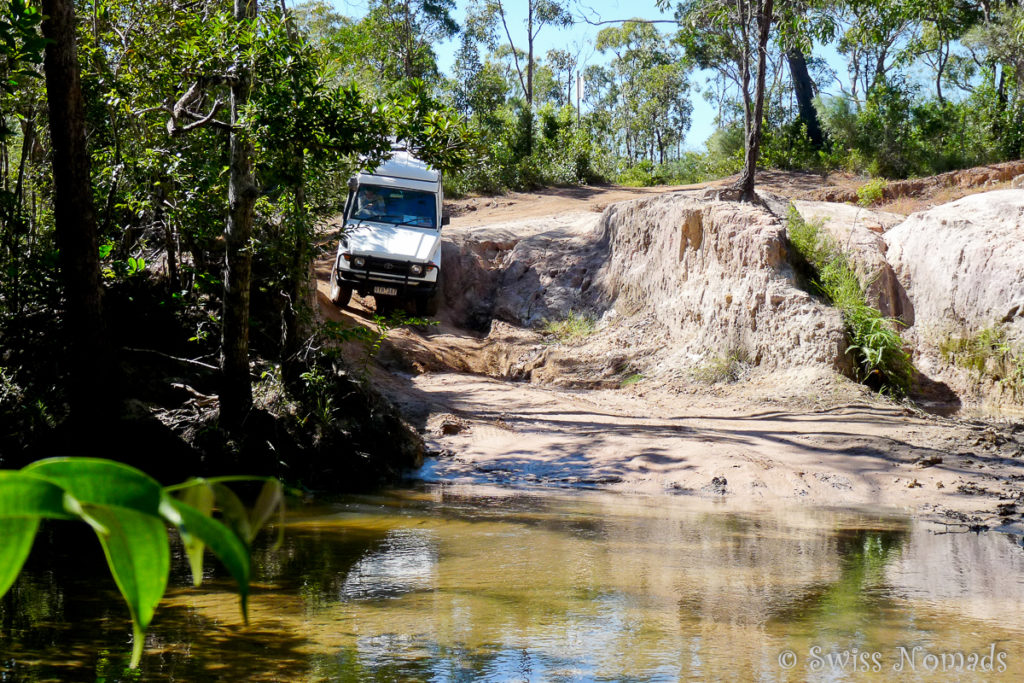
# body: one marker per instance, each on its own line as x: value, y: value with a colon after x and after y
x: 962, y: 264
x: 1018, y: 182
x: 716, y: 276
x: 674, y: 280
x: 859, y: 231
x: 717, y: 487
x: 446, y: 424
x: 966, y: 178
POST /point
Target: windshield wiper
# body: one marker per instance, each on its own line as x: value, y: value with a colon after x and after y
x: 411, y: 221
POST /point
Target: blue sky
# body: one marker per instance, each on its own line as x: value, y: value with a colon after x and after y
x: 566, y: 38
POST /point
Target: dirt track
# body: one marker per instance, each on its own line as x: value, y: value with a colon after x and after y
x: 792, y: 437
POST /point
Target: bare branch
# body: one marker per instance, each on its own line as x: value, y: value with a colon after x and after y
x: 200, y: 120
x: 628, y: 21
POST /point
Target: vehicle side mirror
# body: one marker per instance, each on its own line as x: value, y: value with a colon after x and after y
x: 445, y: 220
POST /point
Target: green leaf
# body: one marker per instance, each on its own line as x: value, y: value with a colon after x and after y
x: 16, y: 536
x: 92, y: 481
x: 271, y: 499
x: 200, y: 497
x: 23, y: 495
x: 137, y: 551
x: 197, y: 527
x: 235, y: 516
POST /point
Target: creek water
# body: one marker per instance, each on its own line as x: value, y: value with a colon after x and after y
x: 467, y: 584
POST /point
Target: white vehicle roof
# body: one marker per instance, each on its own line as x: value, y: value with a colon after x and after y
x: 403, y: 165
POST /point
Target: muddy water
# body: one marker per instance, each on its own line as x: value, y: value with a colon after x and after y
x: 464, y: 585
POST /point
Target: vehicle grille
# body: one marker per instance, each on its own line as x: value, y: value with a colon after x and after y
x: 386, y: 266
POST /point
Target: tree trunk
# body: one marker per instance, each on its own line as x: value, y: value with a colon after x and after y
x: 299, y: 265
x: 529, y: 77
x: 236, y: 388
x: 803, y: 87
x: 753, y: 142
x: 88, y: 356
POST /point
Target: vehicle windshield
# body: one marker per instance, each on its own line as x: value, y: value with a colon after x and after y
x: 394, y: 205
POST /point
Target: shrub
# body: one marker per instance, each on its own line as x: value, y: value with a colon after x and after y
x: 129, y: 512
x: 874, y: 340
x: 871, y: 192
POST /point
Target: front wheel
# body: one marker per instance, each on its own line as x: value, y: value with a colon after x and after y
x: 340, y: 294
x: 429, y: 305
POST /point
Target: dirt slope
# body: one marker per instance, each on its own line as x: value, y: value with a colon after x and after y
x: 789, y: 434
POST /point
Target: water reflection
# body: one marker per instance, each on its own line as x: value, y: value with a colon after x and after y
x: 445, y: 586
x: 404, y: 563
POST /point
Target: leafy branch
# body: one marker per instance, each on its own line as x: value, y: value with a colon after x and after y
x: 129, y: 512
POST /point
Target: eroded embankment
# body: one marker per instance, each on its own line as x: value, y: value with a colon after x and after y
x: 671, y: 283
x: 683, y: 293
x: 954, y: 276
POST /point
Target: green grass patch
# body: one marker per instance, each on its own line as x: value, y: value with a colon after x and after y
x: 871, y: 192
x: 635, y: 378
x: 573, y: 327
x: 874, y: 339
x: 989, y: 354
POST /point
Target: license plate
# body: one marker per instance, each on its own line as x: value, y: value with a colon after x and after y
x: 386, y: 291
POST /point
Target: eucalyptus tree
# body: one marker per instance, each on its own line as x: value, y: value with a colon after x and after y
x: 872, y: 32
x: 650, y: 98
x: 941, y: 24
x: 733, y: 37
x: 563, y: 65
x: 997, y: 47
x: 391, y: 44
x: 408, y: 31
x: 489, y: 21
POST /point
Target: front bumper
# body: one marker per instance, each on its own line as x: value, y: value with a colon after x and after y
x: 364, y: 281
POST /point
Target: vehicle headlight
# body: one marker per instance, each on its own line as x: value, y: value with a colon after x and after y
x: 358, y: 262
x: 416, y: 269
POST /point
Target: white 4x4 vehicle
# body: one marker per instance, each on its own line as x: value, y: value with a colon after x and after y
x: 391, y: 246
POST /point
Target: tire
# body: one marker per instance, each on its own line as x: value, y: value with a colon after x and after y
x: 340, y: 294
x: 427, y: 306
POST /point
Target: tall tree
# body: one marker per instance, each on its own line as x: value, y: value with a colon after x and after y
x: 803, y: 88
x: 489, y: 20
x: 649, y: 99
x: 732, y: 36
x: 870, y: 42
x: 89, y: 366
x: 236, y: 389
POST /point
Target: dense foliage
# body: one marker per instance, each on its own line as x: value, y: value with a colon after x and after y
x: 216, y: 139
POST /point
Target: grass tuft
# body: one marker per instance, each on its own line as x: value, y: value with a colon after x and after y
x: 573, y: 327
x: 874, y: 339
x: 635, y: 378
x: 721, y: 369
x: 989, y: 354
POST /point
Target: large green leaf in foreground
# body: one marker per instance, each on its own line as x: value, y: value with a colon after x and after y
x: 24, y: 500
x: 139, y: 557
x: 130, y: 511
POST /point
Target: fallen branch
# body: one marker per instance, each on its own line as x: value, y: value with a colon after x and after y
x: 190, y: 361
